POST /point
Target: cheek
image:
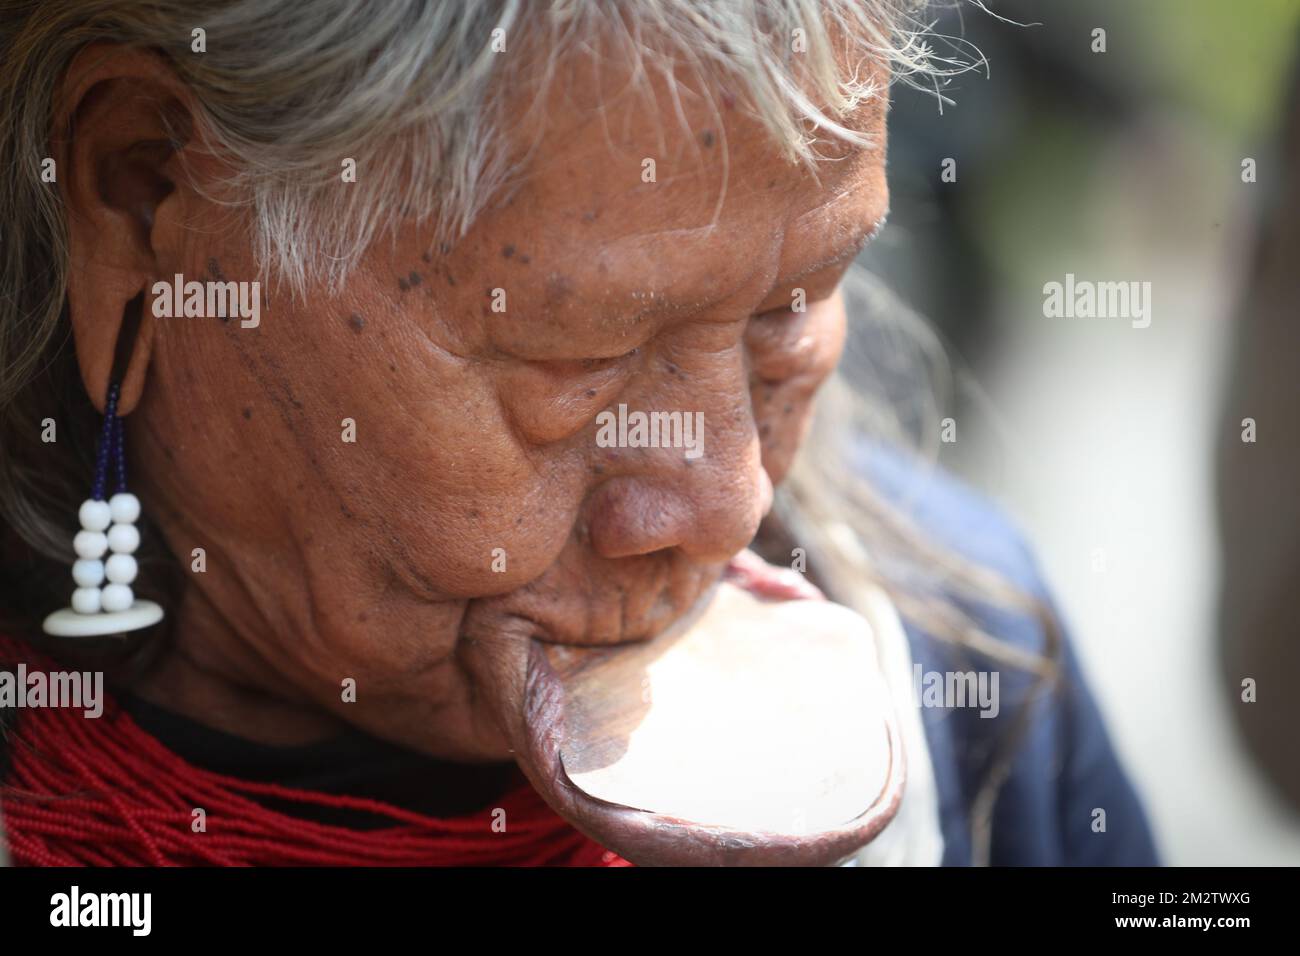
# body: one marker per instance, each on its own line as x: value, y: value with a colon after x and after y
x: 438, y: 485
x: 481, y: 510
x: 791, y: 356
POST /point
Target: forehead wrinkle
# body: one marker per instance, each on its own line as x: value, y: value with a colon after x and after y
x: 652, y: 276
x: 658, y: 276
x: 852, y: 218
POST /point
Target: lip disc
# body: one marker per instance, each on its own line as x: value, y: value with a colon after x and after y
x: 762, y: 727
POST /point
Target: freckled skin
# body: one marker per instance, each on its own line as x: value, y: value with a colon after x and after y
x: 475, y: 429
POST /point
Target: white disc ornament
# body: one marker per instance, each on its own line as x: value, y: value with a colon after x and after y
x: 68, y: 623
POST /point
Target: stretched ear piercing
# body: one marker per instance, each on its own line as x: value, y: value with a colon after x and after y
x: 103, y: 602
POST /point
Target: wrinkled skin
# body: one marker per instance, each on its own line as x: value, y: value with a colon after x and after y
x: 474, y: 430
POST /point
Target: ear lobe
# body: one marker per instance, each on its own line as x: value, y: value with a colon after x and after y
x: 118, y: 117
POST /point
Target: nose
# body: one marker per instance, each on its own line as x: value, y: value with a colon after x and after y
x: 708, y: 508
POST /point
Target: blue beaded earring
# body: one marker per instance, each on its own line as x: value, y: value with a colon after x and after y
x: 98, y: 607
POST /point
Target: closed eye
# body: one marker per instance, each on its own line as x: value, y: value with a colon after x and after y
x: 578, y: 368
x: 550, y: 400
x: 773, y: 315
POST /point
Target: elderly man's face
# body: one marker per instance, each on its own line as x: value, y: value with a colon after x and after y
x: 476, y: 508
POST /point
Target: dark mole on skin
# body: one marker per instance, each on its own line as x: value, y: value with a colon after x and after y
x: 558, y: 287
x: 403, y: 285
x: 426, y: 257
x: 707, y: 138
x: 507, y: 252
x: 414, y: 278
x: 214, y: 274
x: 248, y: 413
x: 357, y: 322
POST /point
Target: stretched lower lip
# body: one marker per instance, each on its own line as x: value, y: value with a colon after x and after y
x: 558, y: 732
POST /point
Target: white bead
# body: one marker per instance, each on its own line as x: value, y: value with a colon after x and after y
x: 125, y: 507
x: 88, y: 572
x: 123, y: 539
x: 90, y: 544
x: 86, y: 600
x: 117, y: 597
x: 95, y: 515
x: 120, y: 568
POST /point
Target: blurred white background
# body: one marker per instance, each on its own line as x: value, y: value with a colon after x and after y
x: 1090, y: 433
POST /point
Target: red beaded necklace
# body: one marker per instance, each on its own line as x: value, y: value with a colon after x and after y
x: 103, y: 792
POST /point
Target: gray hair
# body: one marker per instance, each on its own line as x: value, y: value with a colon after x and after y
x: 409, y: 89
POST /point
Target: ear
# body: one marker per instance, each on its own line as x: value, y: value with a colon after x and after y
x: 121, y: 116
